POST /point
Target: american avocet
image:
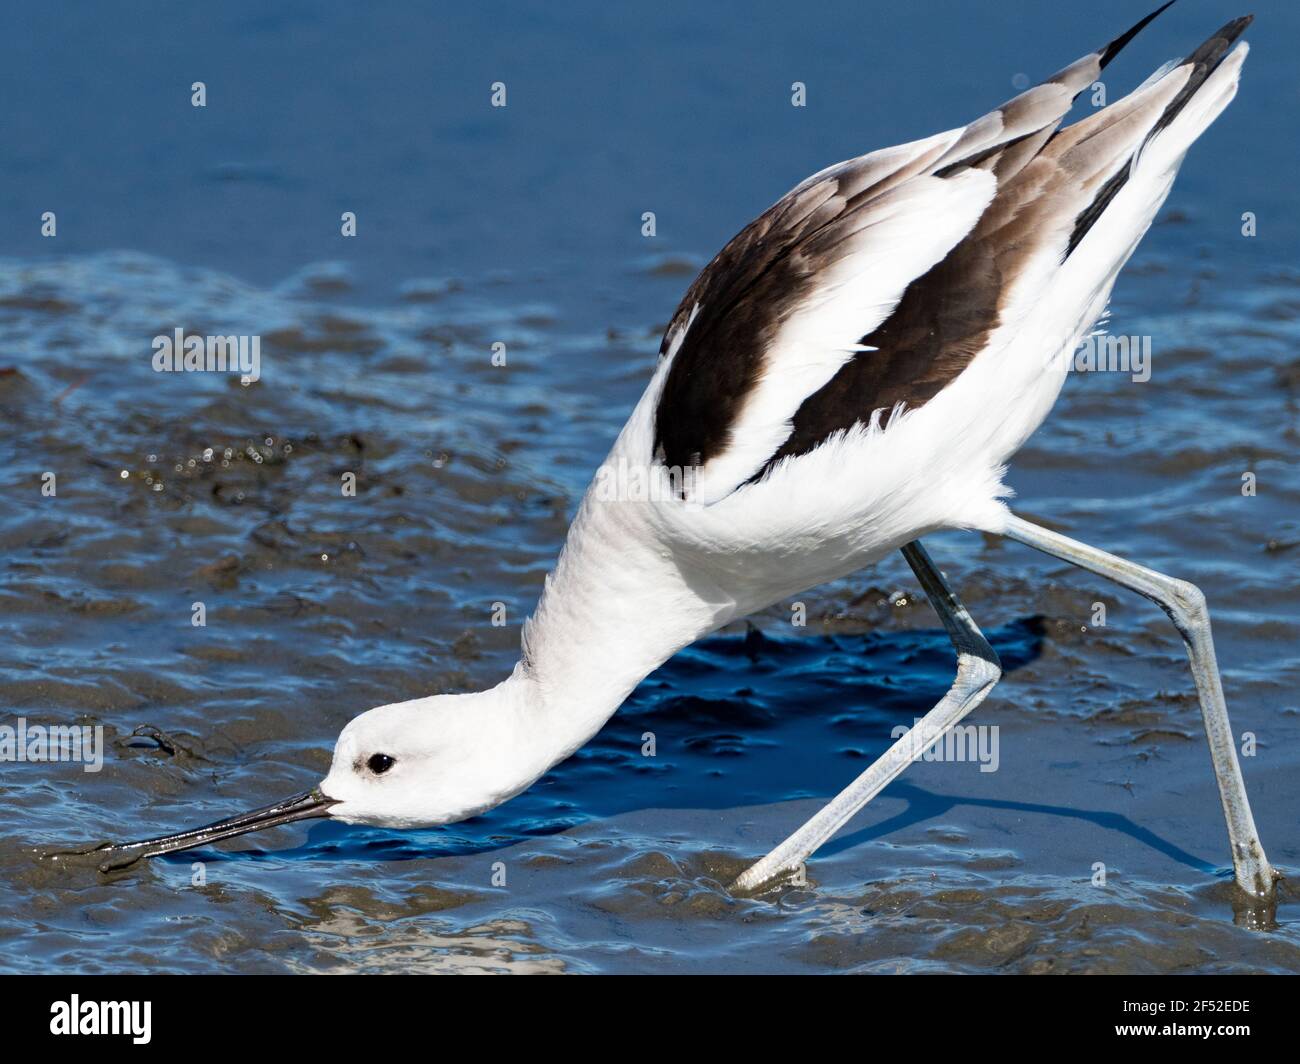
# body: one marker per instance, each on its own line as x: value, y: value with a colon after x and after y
x: 849, y: 374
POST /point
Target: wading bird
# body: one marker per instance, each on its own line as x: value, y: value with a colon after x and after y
x: 849, y: 374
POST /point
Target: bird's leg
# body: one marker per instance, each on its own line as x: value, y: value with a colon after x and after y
x: 978, y: 670
x: 1186, y: 607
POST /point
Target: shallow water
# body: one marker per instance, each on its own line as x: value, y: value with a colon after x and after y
x: 523, y: 227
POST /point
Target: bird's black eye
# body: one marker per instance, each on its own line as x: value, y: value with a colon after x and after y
x: 379, y: 763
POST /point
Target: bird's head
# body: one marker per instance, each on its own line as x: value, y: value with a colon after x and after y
x: 432, y: 761
x: 410, y: 764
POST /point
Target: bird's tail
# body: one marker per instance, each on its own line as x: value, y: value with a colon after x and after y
x: 1151, y: 129
x: 1210, y: 87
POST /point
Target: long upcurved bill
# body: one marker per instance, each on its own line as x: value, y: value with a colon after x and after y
x: 303, y: 806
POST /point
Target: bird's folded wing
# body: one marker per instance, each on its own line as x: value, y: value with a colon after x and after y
x: 773, y: 328
x: 874, y: 282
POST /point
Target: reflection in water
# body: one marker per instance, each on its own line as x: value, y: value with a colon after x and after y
x: 356, y: 945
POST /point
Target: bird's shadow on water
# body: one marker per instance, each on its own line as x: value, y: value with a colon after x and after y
x: 735, y: 720
x: 923, y: 805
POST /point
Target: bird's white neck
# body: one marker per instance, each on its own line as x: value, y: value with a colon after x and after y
x: 617, y: 605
